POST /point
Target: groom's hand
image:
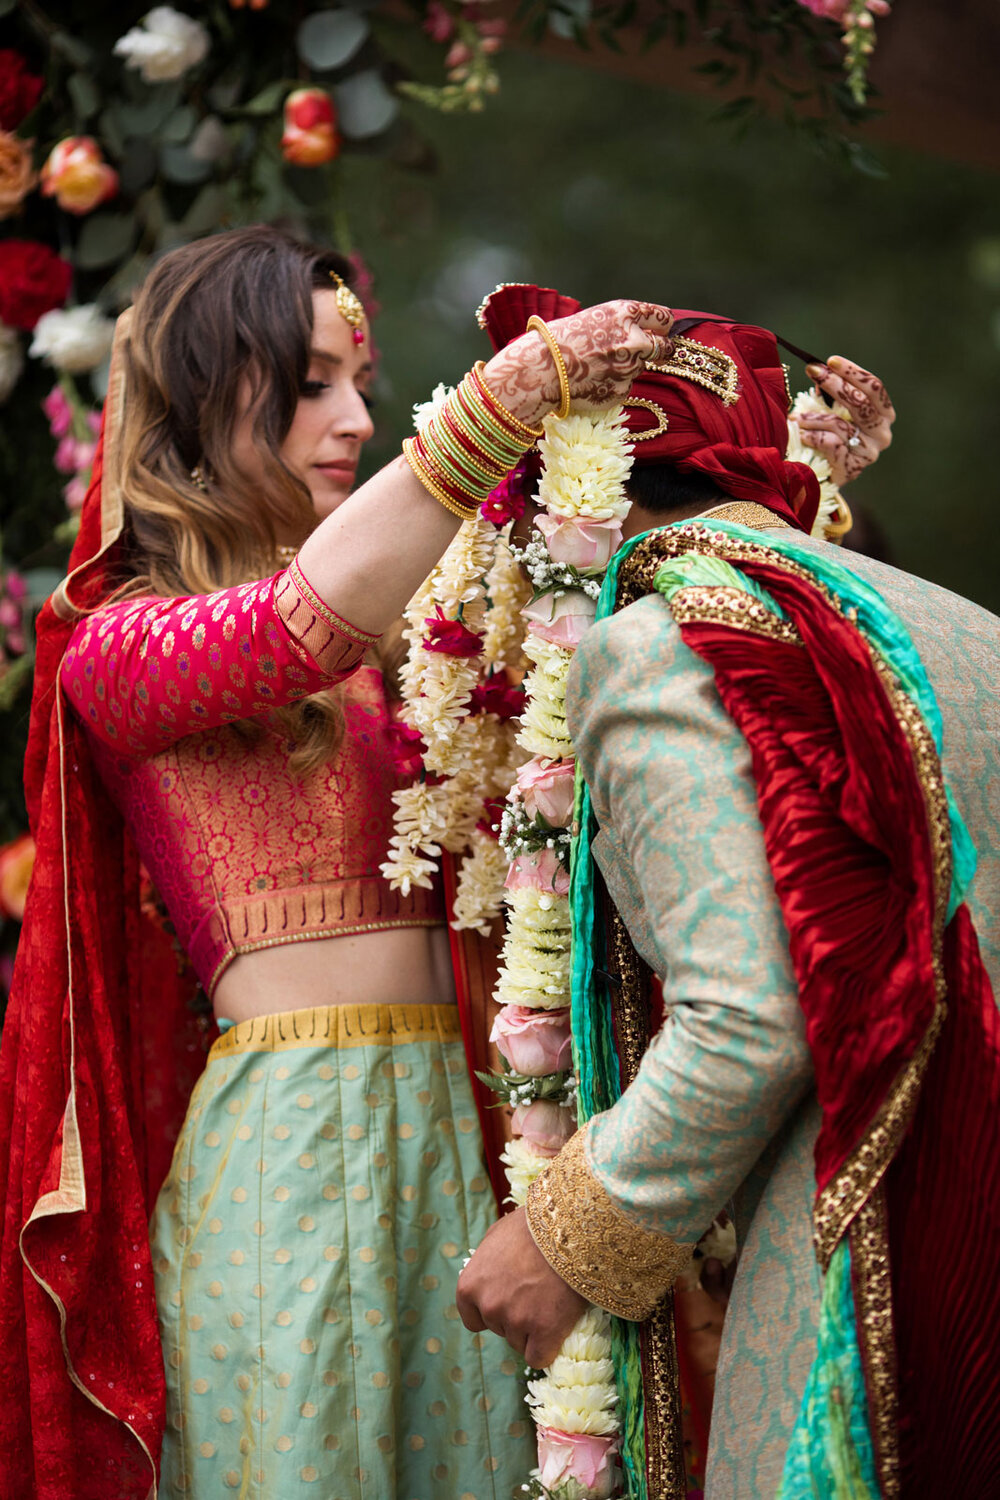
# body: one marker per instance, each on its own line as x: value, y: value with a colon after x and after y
x: 510, y: 1288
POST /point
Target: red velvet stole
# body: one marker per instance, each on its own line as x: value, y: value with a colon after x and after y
x: 851, y: 812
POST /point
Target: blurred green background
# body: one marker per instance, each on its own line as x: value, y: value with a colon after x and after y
x: 604, y: 187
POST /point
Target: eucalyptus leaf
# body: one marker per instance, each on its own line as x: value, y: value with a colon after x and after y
x: 309, y: 185
x: 71, y: 48
x: 268, y: 100
x: 365, y: 105
x: 111, y: 132
x: 118, y: 291
x: 225, y: 91
x: 329, y: 38
x: 177, y: 127
x: 207, y: 212
x: 138, y: 167
x: 178, y: 165
x: 148, y: 116
x: 104, y: 239
x: 83, y: 95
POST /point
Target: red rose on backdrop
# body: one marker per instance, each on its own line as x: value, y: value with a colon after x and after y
x: 20, y: 90
x: 33, y: 280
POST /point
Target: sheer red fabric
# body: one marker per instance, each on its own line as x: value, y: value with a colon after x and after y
x: 100, y: 1051
x: 845, y: 819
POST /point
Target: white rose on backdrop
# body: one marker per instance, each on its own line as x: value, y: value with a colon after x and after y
x: 165, y: 45
x: 11, y: 360
x: 73, y: 339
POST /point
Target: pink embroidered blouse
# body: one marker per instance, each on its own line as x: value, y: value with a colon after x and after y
x: 245, y: 853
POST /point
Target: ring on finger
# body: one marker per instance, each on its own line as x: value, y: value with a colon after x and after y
x: 659, y: 351
x: 854, y: 441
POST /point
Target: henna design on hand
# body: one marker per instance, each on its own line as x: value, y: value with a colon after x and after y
x: 872, y: 416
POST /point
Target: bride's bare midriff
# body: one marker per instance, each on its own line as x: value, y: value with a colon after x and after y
x: 403, y: 966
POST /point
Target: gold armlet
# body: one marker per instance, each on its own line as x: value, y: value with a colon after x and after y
x: 602, y: 1255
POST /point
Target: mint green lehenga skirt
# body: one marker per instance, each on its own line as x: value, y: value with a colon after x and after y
x: 324, y: 1192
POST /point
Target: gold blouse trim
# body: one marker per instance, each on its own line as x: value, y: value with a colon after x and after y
x: 585, y: 1238
x: 340, y: 1028
x: 320, y: 608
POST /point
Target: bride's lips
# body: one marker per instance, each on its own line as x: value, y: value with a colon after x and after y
x: 341, y: 471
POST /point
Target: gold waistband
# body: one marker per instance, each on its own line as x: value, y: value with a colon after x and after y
x: 340, y: 1026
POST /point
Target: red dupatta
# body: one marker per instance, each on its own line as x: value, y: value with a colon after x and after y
x: 900, y: 1016
x: 98, y: 1058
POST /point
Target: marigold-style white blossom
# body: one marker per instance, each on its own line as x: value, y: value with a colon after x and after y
x: 590, y: 1337
x: 73, y: 339
x: 577, y: 1392
x: 507, y: 590
x: 165, y: 45
x: 523, y: 1164
x: 424, y: 410
x: 11, y: 360
x: 587, y: 459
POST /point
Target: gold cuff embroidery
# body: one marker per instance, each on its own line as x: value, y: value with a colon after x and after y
x: 604, y: 1256
x: 322, y: 609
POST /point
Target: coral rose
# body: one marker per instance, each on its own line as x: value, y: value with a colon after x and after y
x: 77, y: 176
x: 547, y: 787
x: 17, y: 861
x: 544, y: 1125
x: 16, y: 175
x: 310, y: 137
x: 33, y: 280
x: 20, y: 90
x: 534, y: 1042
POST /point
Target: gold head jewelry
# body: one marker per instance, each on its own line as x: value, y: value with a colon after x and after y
x: 702, y: 364
x: 350, y: 308
x: 658, y: 415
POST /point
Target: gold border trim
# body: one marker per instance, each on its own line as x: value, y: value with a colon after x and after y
x: 321, y: 609
x: 340, y: 1028
x: 872, y: 1283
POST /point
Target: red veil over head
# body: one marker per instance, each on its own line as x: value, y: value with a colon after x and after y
x: 718, y: 405
x: 100, y: 1051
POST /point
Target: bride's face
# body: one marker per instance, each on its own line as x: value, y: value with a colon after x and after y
x: 332, y: 420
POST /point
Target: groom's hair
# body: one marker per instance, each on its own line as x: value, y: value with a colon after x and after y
x: 660, y: 488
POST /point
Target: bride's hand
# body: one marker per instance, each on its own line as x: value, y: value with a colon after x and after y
x: 605, y: 348
x: 849, y: 446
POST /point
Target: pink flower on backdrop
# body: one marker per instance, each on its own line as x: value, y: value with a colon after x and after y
x: 17, y: 861
x: 534, y: 1042
x: 59, y: 412
x: 75, y: 493
x: 547, y: 787
x: 15, y: 587
x: 544, y: 1125
x: 438, y: 22
x: 562, y: 620
x: 582, y: 544
x: 839, y: 10
x: 310, y: 136
x: 77, y: 176
x: 72, y: 455
x: 577, y: 1455
x: 451, y: 637
x: 541, y: 871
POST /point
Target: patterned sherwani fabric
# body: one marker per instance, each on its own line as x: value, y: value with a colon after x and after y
x: 723, y: 1105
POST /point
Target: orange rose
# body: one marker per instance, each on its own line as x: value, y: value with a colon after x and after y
x: 310, y: 136
x: 77, y: 175
x: 16, y: 177
x: 17, y: 861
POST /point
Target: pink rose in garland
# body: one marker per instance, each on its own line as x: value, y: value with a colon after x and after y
x: 77, y: 175
x: 451, y: 637
x: 589, y: 1460
x: 544, y: 1125
x: 310, y: 137
x: 547, y: 787
x: 562, y: 616
x: 584, y: 544
x: 534, y: 1042
x: 541, y: 871
x: 33, y: 281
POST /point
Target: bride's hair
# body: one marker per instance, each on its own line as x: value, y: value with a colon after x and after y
x: 216, y: 321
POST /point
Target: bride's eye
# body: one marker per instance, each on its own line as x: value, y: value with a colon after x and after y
x: 311, y: 388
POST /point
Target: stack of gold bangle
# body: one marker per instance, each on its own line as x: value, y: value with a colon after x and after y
x: 468, y: 446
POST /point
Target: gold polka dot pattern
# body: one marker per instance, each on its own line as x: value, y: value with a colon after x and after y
x: 308, y: 1311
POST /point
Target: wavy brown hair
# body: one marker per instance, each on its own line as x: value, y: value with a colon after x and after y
x: 214, y: 320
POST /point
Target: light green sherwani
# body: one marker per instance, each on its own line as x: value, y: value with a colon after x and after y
x: 723, y: 1105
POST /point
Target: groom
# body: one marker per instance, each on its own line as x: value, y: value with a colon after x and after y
x: 770, y: 822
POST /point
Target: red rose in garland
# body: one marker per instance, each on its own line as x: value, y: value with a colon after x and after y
x: 451, y: 637
x: 33, y: 280
x: 20, y: 90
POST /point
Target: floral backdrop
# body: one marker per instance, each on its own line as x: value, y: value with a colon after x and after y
x: 125, y: 132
